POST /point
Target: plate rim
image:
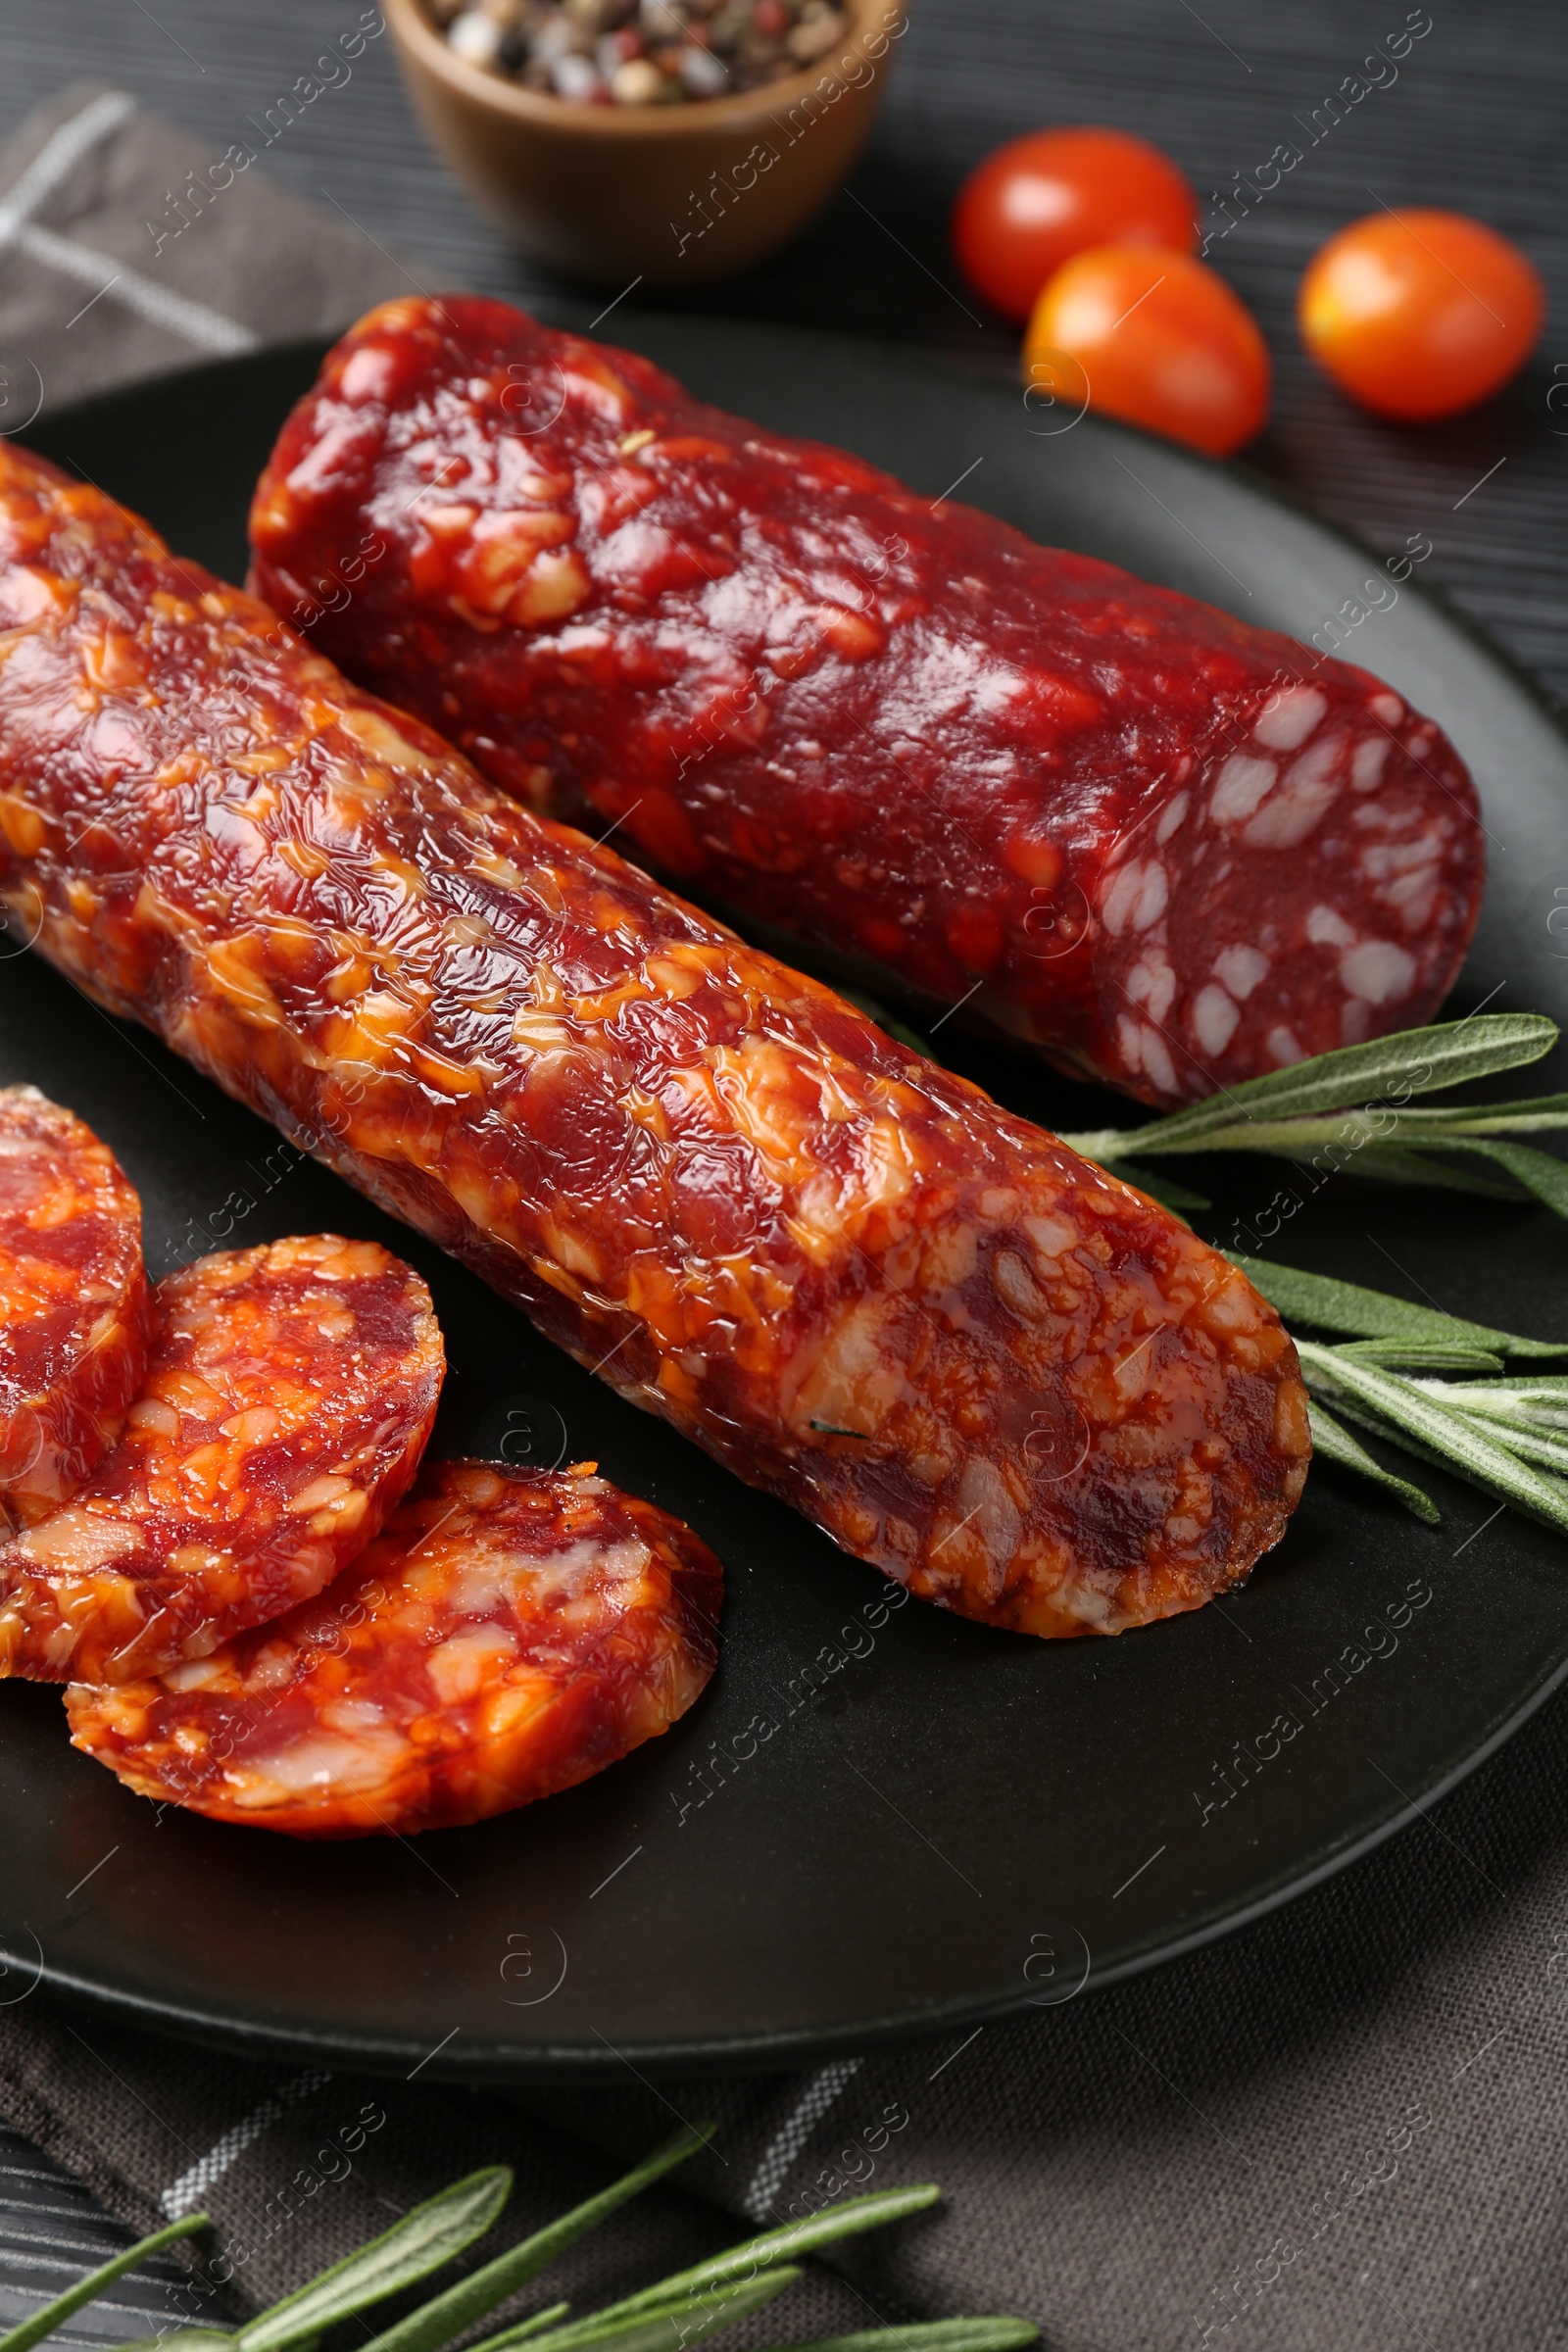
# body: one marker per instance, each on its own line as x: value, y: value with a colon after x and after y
x: 785, y: 2050
x: 518, y: 2066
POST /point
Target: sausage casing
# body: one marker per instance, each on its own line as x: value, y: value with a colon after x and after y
x: 1015, y: 1383
x: 1168, y: 849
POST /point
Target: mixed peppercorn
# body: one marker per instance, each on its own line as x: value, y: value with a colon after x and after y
x: 639, y: 52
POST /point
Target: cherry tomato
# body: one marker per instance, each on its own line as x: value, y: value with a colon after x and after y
x: 1039, y: 200
x: 1154, y: 338
x: 1420, y: 313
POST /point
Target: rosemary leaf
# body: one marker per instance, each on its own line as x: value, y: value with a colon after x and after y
x: 999, y: 2335
x: 1538, y: 1171
x: 1547, y: 1386
x: 1456, y: 1439
x: 1541, y: 1402
x: 1387, y: 1433
x: 1422, y: 1355
x: 1334, y: 1441
x: 1356, y: 1128
x: 1531, y: 1444
x: 795, y: 2237
x: 1531, y: 1115
x: 1386, y: 1163
x: 521, y: 2330
x: 39, y: 2324
x: 663, y: 2328
x: 426, y: 2236
x: 1365, y: 1139
x: 1412, y: 1062
x: 1334, y: 1305
x: 454, y: 2312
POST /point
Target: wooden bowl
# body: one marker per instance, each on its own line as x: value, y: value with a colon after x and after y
x: 672, y: 195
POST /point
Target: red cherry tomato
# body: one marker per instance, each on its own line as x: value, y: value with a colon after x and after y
x: 1154, y: 338
x: 1039, y: 200
x: 1420, y: 313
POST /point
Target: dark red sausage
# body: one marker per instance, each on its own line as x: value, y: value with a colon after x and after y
x: 1170, y: 850
x: 288, y: 1398
x: 977, y: 1360
x: 508, y: 1635
x: 74, y: 1313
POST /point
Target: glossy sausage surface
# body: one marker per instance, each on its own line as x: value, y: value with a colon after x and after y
x: 1021, y: 1388
x: 1170, y: 850
x: 74, y: 1302
x: 288, y: 1397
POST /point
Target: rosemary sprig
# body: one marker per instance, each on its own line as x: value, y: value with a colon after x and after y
x: 1423, y: 1355
x: 1329, y: 1304
x: 426, y: 2237
x: 1482, y: 1453
x: 454, y: 2312
x: 1334, y: 1441
x: 665, y: 2327
x: 777, y: 2245
x: 664, y: 2318
x: 1507, y: 1436
x: 1351, y: 1109
x: 43, y: 2323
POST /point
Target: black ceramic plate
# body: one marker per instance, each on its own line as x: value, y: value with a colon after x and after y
x: 875, y: 1824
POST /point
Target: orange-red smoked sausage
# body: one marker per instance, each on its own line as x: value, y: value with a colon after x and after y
x: 288, y: 1398
x: 508, y: 1635
x: 1015, y: 1383
x: 73, y: 1313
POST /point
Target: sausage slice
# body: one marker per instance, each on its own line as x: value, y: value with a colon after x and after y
x: 509, y: 1633
x: 288, y: 1398
x: 73, y: 1302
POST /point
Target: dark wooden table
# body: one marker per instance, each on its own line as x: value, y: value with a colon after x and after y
x: 1474, y: 121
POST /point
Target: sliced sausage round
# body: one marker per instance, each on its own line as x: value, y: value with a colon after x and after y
x: 290, y: 1395
x: 511, y: 1633
x: 73, y: 1302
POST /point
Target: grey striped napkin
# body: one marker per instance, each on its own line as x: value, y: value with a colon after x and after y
x: 129, y: 248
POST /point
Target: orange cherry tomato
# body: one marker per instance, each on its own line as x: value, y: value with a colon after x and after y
x: 1039, y: 200
x: 1154, y: 338
x: 1420, y: 313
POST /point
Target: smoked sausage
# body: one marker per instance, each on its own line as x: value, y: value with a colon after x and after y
x: 511, y: 1633
x: 288, y: 1398
x: 975, y: 1359
x: 1166, y: 850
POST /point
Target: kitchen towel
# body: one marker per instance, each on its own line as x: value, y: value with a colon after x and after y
x: 129, y: 248
x: 1342, y: 2128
